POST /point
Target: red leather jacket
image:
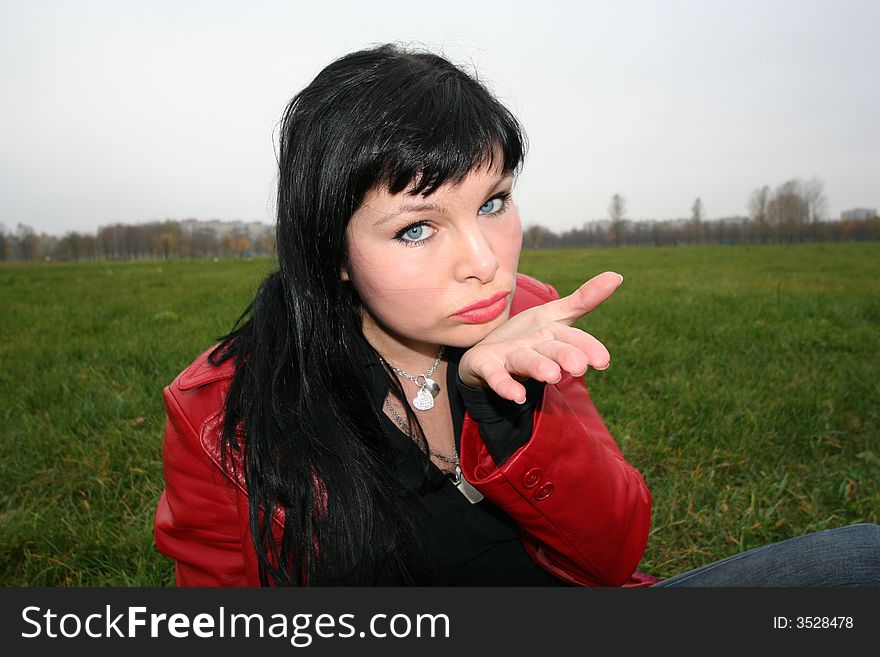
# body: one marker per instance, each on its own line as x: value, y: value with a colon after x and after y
x: 583, y: 510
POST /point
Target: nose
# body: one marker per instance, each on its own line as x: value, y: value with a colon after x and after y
x: 475, y: 255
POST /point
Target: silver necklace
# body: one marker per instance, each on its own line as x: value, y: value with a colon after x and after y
x: 463, y: 485
x: 428, y: 387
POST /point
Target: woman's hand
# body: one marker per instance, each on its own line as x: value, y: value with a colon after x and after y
x: 539, y: 343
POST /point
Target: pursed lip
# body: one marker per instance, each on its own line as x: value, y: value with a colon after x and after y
x: 484, y: 303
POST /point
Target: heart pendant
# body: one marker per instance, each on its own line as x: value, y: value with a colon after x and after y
x: 432, y: 386
x: 424, y: 400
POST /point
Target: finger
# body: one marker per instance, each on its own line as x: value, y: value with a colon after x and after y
x: 534, y: 365
x: 584, y: 299
x: 496, y: 376
x: 567, y: 356
x: 595, y: 351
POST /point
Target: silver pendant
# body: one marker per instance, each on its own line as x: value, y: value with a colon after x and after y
x: 423, y: 401
x: 432, y: 386
x: 464, y: 487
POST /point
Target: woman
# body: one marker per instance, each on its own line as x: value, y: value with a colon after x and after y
x: 398, y: 405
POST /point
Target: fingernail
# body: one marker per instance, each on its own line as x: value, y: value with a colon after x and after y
x: 520, y: 401
x: 621, y: 280
x: 584, y: 371
x: 604, y: 367
x: 557, y: 380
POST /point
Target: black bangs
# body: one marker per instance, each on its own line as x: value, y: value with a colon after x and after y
x: 444, y: 125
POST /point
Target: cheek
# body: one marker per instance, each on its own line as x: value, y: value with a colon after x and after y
x: 386, y: 288
x: 508, y: 242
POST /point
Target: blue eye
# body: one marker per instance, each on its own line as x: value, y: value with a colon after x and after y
x: 492, y: 205
x: 496, y: 205
x: 415, y: 235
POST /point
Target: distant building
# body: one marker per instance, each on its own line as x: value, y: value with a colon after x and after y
x: 251, y: 229
x: 858, y: 214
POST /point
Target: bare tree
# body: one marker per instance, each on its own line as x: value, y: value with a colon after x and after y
x: 204, y: 242
x: 538, y: 237
x: 617, y: 211
x: 696, y: 219
x: 758, y: 206
x: 28, y: 242
x: 788, y: 210
x: 70, y: 246
x: 817, y: 206
x: 109, y: 239
x: 5, y: 245
x: 816, y: 201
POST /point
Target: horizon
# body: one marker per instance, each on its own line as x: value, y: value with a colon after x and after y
x: 526, y: 226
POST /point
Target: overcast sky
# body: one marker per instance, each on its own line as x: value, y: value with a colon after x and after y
x: 138, y: 111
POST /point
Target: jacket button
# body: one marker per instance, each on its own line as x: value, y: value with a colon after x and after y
x: 544, y: 491
x: 532, y: 477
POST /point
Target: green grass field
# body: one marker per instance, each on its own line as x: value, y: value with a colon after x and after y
x: 744, y: 385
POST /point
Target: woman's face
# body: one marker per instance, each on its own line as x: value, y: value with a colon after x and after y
x: 435, y: 270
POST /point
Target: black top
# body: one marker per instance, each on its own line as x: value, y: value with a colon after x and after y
x: 465, y: 544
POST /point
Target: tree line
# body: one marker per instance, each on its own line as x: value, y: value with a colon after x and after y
x: 794, y: 211
x: 155, y: 240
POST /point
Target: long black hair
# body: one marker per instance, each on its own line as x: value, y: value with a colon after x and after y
x: 310, y: 441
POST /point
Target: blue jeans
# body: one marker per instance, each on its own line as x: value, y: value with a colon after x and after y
x: 848, y: 556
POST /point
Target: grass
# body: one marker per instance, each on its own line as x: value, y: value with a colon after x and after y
x: 744, y: 385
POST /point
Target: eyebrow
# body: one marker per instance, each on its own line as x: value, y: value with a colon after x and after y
x: 408, y: 208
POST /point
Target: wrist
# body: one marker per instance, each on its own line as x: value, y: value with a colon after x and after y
x: 469, y: 380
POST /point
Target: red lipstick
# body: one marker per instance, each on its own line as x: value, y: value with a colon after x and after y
x: 483, y: 311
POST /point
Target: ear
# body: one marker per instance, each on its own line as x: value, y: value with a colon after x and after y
x: 343, y: 274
